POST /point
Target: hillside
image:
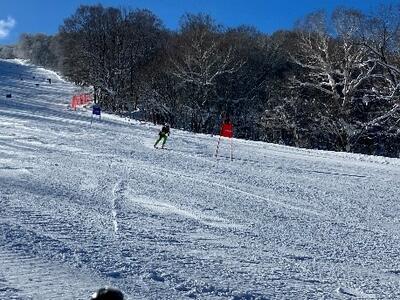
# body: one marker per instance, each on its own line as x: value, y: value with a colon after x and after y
x: 85, y: 206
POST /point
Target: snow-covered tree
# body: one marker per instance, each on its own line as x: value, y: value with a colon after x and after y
x: 199, y: 60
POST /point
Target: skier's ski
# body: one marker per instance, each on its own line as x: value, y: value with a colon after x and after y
x: 161, y: 148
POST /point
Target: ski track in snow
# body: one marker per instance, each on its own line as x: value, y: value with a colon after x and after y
x: 86, y: 206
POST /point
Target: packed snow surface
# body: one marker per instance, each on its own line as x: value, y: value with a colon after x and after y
x: 84, y: 206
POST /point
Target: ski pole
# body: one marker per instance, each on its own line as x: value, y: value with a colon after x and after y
x: 231, y: 149
x: 216, y: 150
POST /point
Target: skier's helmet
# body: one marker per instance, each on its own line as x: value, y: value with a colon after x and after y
x: 107, y: 294
x: 167, y: 124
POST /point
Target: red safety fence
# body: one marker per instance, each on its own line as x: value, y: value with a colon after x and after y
x: 227, y: 130
x: 80, y: 100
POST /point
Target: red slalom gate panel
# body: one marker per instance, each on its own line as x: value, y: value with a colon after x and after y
x: 227, y: 130
x: 80, y: 100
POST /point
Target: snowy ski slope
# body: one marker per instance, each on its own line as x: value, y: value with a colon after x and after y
x: 86, y: 206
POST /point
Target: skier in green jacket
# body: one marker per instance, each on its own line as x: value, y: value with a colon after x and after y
x: 164, y: 133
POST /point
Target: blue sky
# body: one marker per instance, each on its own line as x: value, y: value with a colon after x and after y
x: 33, y: 16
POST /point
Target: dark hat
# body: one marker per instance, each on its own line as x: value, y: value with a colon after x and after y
x: 107, y: 294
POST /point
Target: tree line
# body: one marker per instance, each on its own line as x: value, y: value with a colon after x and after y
x: 332, y: 82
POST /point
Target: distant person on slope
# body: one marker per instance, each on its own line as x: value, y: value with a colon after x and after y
x: 164, y: 133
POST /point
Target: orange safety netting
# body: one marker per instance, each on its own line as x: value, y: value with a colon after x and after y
x: 80, y: 100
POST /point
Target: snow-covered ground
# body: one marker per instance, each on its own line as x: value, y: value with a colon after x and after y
x: 86, y: 206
